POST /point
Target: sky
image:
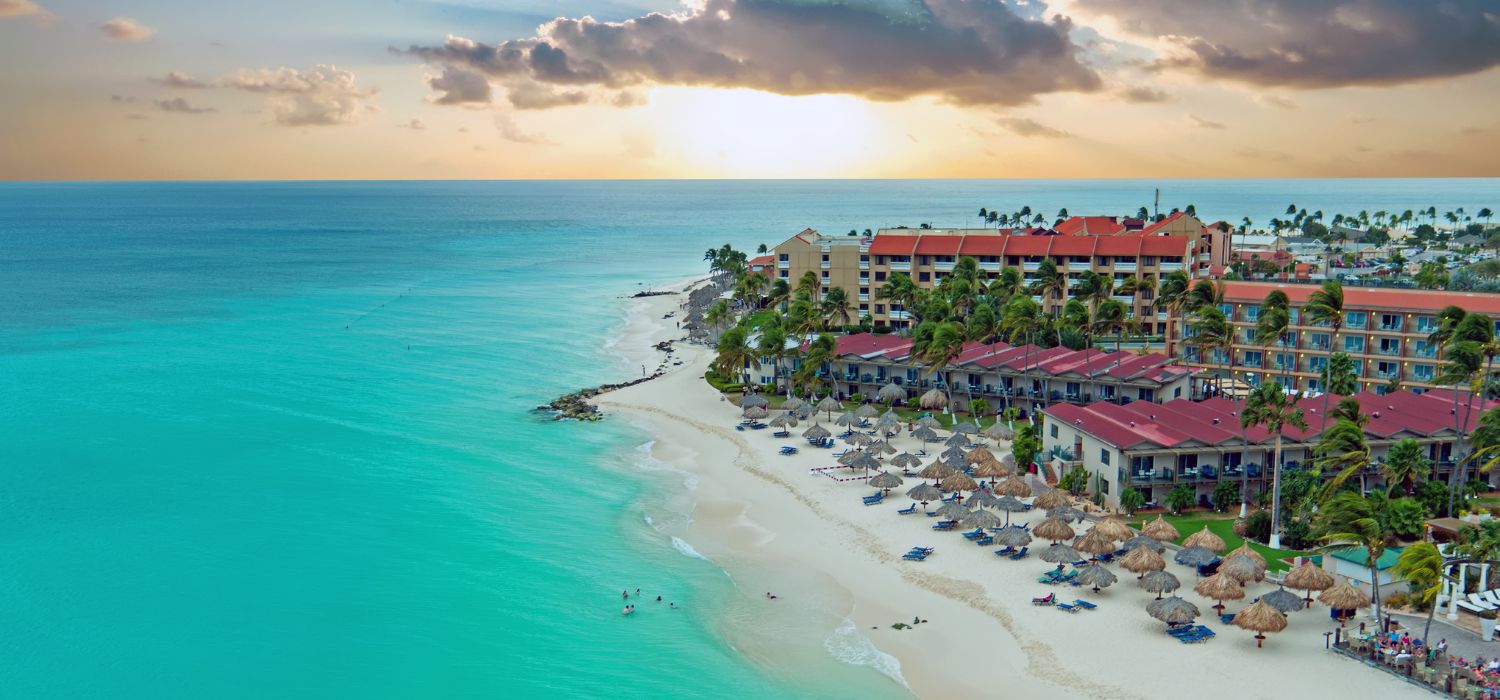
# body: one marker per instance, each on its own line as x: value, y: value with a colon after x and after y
x: 543, y: 89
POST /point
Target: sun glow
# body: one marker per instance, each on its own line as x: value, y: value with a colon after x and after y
x: 747, y: 133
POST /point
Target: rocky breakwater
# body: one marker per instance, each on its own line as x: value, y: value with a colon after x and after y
x: 576, y: 406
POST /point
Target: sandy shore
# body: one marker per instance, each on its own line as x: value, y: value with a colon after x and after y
x: 809, y: 537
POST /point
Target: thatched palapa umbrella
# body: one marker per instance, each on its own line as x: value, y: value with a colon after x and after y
x: 1009, y: 504
x: 1308, y: 578
x: 998, y: 431
x: 1283, y: 600
x: 1161, y: 530
x: 953, y: 511
x: 981, y: 500
x: 858, y: 439
x: 966, y: 428
x: 980, y: 519
x: 989, y: 470
x: 1206, y: 539
x: 1014, y: 486
x: 1260, y: 618
x: 1051, y: 498
x: 1344, y: 597
x: 1094, y: 543
x: 1220, y: 587
x: 888, y: 424
x: 880, y: 447
x: 1060, y: 554
x: 1160, y: 582
x: 1115, y: 529
x: 937, y: 470
x: 933, y: 399
x: 816, y: 432
x: 925, y: 492
x: 925, y: 434
x: 1142, y: 559
x: 1142, y: 541
x: 803, y: 412
x: 829, y: 405
x: 1013, y: 536
x: 792, y: 404
x: 848, y: 457
x: 785, y: 420
x: 1242, y: 568
x: 1173, y: 610
x: 1245, y: 550
x: 928, y: 422
x: 1094, y: 574
x: 891, y: 393
x: 885, y: 480
x: 1195, y: 556
x: 865, y: 462
x: 755, y: 412
x: 866, y: 411
x: 906, y: 460
x: 1066, y: 514
x: 953, y: 455
x: 847, y: 420
x: 1053, y: 529
x: 753, y: 401
x: 960, y: 482
x: 979, y: 455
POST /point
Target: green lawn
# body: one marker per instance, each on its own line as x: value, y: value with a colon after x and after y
x: 905, y: 413
x: 1222, y: 524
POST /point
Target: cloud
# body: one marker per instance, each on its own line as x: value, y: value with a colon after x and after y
x: 322, y: 96
x: 962, y: 51
x: 126, y: 29
x: 511, y: 131
x: 1277, y: 101
x: 1301, y: 44
x: 22, y: 8
x: 1142, y: 94
x: 1030, y: 128
x: 180, y: 80
x: 628, y: 98
x: 536, y: 96
x: 1201, y: 123
x: 181, y: 106
x: 122, y: 99
x: 137, y: 116
x: 459, y: 86
x: 415, y: 125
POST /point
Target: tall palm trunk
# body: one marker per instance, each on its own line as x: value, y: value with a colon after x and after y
x: 1276, y: 496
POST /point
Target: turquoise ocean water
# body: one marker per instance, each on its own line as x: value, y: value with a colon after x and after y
x: 270, y: 440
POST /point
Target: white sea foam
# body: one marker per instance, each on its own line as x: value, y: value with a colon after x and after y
x: 687, y: 549
x: 849, y: 646
x: 648, y: 462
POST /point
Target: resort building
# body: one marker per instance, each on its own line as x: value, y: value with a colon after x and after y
x: 1385, y: 333
x: 1116, y: 249
x: 1157, y: 447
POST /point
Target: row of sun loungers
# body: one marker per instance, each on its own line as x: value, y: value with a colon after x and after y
x: 1190, y: 634
x: 1075, y: 606
x: 1055, y: 577
x: 1480, y: 602
x: 1013, y: 553
x: 918, y: 553
x: 788, y: 450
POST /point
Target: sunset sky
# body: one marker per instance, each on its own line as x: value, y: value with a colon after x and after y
x: 413, y: 89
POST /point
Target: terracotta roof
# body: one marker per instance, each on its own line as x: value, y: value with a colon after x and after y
x: 1090, y: 226
x: 1370, y: 298
x: 761, y: 260
x: 869, y: 344
x: 939, y: 245
x: 1153, y: 228
x: 893, y: 245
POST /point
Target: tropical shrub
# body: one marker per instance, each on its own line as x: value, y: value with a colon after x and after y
x: 1075, y: 481
x: 1297, y: 533
x: 1132, y: 499
x: 1404, y: 517
x: 1258, y: 526
x: 1226, y: 494
x: 1181, y: 498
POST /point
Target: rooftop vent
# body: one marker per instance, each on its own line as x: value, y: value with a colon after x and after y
x: 1375, y: 414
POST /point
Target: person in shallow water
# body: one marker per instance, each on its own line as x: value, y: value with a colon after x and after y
x: 628, y: 609
x: 769, y: 596
x: 624, y: 595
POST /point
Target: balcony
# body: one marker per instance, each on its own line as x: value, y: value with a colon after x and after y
x: 990, y: 266
x: 1388, y: 374
x: 904, y: 266
x: 1316, y: 345
x: 1123, y: 298
x: 783, y: 264
x: 864, y: 297
x: 1031, y: 266
x: 1386, y: 350
x: 1161, y: 315
x: 864, y: 278
x: 1390, y: 327
x: 899, y: 315
x: 1170, y: 266
x: 825, y: 265
x: 1078, y: 267
x: 1036, y: 298
x: 827, y: 248
x: 1204, y: 257
x: 942, y: 266
x: 864, y: 264
x: 1428, y: 354
x: 1125, y: 267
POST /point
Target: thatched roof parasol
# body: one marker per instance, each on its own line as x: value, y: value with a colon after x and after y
x: 1013, y: 536
x: 1095, y: 575
x: 1283, y: 600
x: 1206, y: 539
x: 937, y: 470
x: 1173, y: 610
x: 925, y: 492
x: 933, y: 399
x: 981, y: 499
x: 960, y: 482
x: 1261, y: 617
x: 803, y: 412
x: 889, y: 422
x: 1094, y: 542
x: 953, y: 511
x: 1060, y: 554
x: 864, y: 461
x: 1066, y: 514
x: 925, y: 434
x: 1051, y: 498
x: 1242, y: 568
x: 785, y: 420
x: 1220, y: 587
x: 1160, y: 582
x: 990, y: 469
x: 1014, y: 486
x: 1307, y: 577
x: 906, y: 460
x: 1245, y: 550
x: 1009, y: 504
x: 1008, y: 459
x: 848, y: 457
x: 754, y: 401
x: 829, y: 405
x: 1194, y: 556
x: 1115, y: 529
x: 966, y: 428
x: 1344, y: 597
x: 858, y: 439
x: 998, y: 431
x: 816, y: 432
x: 847, y: 420
x: 885, y: 480
x: 1053, y: 529
x: 1140, y: 541
x: 1161, y: 530
x: 866, y: 411
x: 979, y: 455
x: 928, y: 422
x: 792, y: 404
x: 890, y: 415
x: 953, y: 455
x: 880, y: 447
x: 981, y: 518
x: 755, y: 412
x: 891, y: 392
x: 1142, y: 559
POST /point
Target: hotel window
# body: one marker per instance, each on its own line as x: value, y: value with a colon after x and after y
x: 924, y: 277
x: 1318, y: 341
x: 1355, y: 320
x: 1424, y: 348
x: 825, y: 275
x: 785, y: 274
x: 1386, y: 370
x: 864, y: 307
x: 1284, y: 360
x: 1294, y: 315
x: 1148, y: 260
x: 1390, y: 322
x: 880, y: 276
x: 1054, y: 430
x: 825, y: 257
x: 880, y: 308
x: 1354, y: 343
x: 1104, y: 455
x: 1252, y: 313
x: 1390, y: 346
x: 1227, y: 310
x: 1251, y: 358
x: 784, y: 257
x: 1359, y: 368
x: 1421, y: 373
x: 1426, y: 324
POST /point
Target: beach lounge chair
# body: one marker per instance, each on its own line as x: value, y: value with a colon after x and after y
x: 920, y: 453
x: 950, y: 497
x: 1068, y: 577
x: 788, y: 450
x: 1005, y: 552
x: 985, y: 541
x: 782, y: 434
x: 908, y: 510
x: 974, y: 534
x: 1084, y: 604
x: 873, y: 500
x: 1479, y: 600
x: 1048, y: 599
x: 841, y: 453
x: 924, y: 550
x: 740, y: 427
x: 1492, y: 596
x: 1226, y: 618
x: 1066, y: 608
x: 945, y: 525
x: 1018, y: 556
x: 914, y: 556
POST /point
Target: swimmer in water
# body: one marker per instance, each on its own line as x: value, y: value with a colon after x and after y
x: 624, y: 595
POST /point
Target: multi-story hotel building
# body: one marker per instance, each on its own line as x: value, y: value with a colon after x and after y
x: 1115, y: 249
x: 1385, y: 333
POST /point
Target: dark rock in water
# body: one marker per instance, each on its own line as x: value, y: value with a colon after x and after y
x: 665, y: 346
x: 640, y: 295
x: 575, y: 406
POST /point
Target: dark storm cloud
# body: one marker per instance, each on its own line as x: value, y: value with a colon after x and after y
x: 964, y: 51
x: 1312, y: 44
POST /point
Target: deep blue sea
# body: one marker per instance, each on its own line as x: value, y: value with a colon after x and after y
x: 271, y: 440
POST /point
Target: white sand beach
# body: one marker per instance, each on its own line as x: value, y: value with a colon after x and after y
x: 800, y: 535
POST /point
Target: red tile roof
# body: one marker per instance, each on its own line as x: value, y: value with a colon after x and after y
x: 885, y: 244
x: 1090, y: 226
x: 1153, y: 228
x: 939, y: 245
x: 761, y: 260
x: 867, y: 344
x: 1370, y: 298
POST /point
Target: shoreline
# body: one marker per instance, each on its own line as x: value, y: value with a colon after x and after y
x: 763, y: 518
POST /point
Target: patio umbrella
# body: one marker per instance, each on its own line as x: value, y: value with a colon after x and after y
x: 953, y: 511
x: 925, y: 434
x: 858, y: 439
x: 755, y: 412
x: 1260, y: 618
x: 1344, y: 597
x: 979, y: 455
x: 1095, y: 543
x: 885, y: 480
x: 864, y: 461
x: 1014, y: 486
x: 981, y: 518
x: 937, y: 470
x: 785, y: 420
x: 1307, y: 577
x: 928, y: 422
x: 890, y: 415
x: 880, y: 447
x: 1160, y: 582
x: 959, y: 481
x: 953, y: 455
x: 888, y: 423
x: 998, y: 431
x: 1242, y: 568
x: 966, y: 428
x: 892, y: 393
x: 906, y: 460
x: 1142, y: 559
x: 1142, y: 541
x: 1066, y: 514
x: 1245, y: 550
x: 981, y: 500
x: 847, y: 420
x: 1008, y: 460
x: 1220, y: 587
x: 1206, y: 539
x: 829, y: 405
x: 848, y: 457
x: 1283, y: 600
x: 816, y: 432
x: 990, y: 469
x: 1053, y: 529
x: 957, y: 441
x: 791, y: 404
x: 1094, y: 574
x: 1115, y: 529
x: 924, y: 492
x: 754, y: 401
x: 803, y: 412
x: 1060, y: 554
x: 1013, y: 536
x: 866, y: 411
x: 1161, y: 530
x: 1051, y: 498
x: 933, y: 399
x: 1009, y: 504
x: 1195, y: 556
x: 1173, y: 610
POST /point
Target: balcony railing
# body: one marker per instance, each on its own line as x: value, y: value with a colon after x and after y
x: 1170, y: 266
x: 1078, y: 267
x: 901, y: 266
x: 825, y: 265
x: 864, y: 264
x: 1125, y: 267
x: 990, y: 266
x: 1204, y: 257
x: 1390, y: 326
x: 899, y: 315
x: 1031, y: 266
x: 864, y: 297
x: 1123, y: 298
x: 942, y: 266
x: 783, y: 264
x: 1384, y: 350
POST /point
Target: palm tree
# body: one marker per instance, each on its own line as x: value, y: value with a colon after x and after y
x: 1111, y: 317
x: 1006, y: 285
x: 1466, y: 366
x: 780, y: 293
x: 773, y: 347
x: 1341, y: 449
x: 735, y: 354
x: 900, y: 290
x: 1174, y: 293
x: 1021, y: 322
x: 819, y: 351
x: 1050, y: 282
x: 1485, y: 214
x: 1273, y: 323
x: 836, y: 307
x: 1326, y: 305
x: 1269, y: 407
x: 1349, y: 520
x: 717, y: 314
x: 1405, y: 463
x: 1422, y: 565
x: 1213, y: 334
x: 938, y: 344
